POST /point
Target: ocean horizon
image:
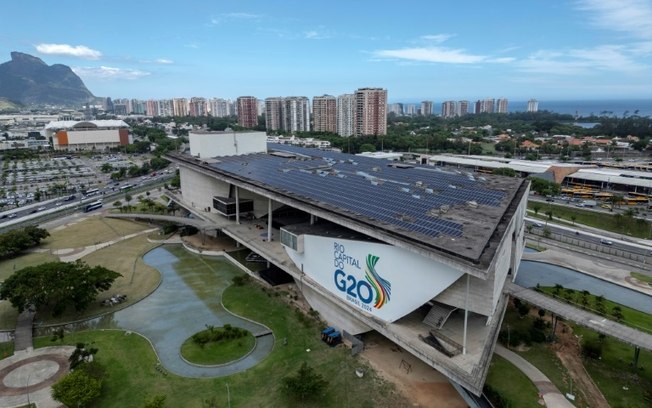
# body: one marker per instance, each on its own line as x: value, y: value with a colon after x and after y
x: 582, y: 108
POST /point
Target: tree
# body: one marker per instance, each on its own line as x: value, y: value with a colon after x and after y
x: 504, y: 171
x: 77, y: 389
x: 106, y: 168
x: 617, y: 313
x: 536, y: 207
x: 305, y: 385
x: 54, y: 286
x: 573, y: 218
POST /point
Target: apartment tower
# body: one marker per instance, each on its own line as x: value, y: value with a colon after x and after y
x: 346, y: 115
x: 532, y: 105
x: 273, y: 117
x: 324, y: 113
x: 247, y: 111
x: 370, y: 111
x: 426, y: 108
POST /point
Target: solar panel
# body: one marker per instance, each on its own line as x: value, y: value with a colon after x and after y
x: 410, y: 201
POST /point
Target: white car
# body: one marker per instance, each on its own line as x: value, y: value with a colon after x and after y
x: 606, y: 241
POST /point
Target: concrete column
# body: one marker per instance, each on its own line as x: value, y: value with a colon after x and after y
x: 466, y: 312
x: 312, y: 219
x: 269, y: 220
x: 237, y: 206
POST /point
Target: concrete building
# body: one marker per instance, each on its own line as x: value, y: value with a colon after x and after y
x: 247, y: 111
x: 296, y: 114
x: 324, y: 113
x: 370, y: 112
x: 346, y: 115
x: 532, y: 105
x: 274, y: 114
x: 205, y: 144
x: 484, y: 106
x: 448, y: 109
x: 426, y: 108
x: 396, y: 109
x: 180, y: 107
x: 502, y: 105
x: 219, y: 108
x: 416, y: 253
x: 197, y: 107
x: 463, y: 108
x: 410, y: 109
x: 87, y: 135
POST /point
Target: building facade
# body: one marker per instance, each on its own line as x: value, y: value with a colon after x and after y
x: 346, y: 115
x: 532, y: 105
x: 296, y: 114
x: 370, y: 112
x: 87, y: 135
x: 502, y: 105
x: 324, y: 113
x: 274, y: 114
x: 426, y: 108
x: 448, y: 109
x: 247, y: 111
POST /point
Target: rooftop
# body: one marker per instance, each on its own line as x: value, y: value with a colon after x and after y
x: 456, y: 212
x: 85, y: 124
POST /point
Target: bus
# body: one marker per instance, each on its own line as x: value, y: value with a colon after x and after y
x: 125, y: 187
x: 91, y: 191
x: 93, y: 206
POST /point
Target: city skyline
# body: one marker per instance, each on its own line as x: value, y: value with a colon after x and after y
x: 576, y: 49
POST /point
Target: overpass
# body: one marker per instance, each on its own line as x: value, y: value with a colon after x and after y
x: 636, y: 338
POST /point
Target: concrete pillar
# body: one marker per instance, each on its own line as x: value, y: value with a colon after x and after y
x: 312, y: 219
x: 237, y: 206
x: 466, y: 312
x: 269, y: 220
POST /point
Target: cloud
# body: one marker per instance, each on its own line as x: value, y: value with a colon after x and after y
x: 315, y: 35
x: 163, y: 61
x: 435, y: 54
x: 633, y: 17
x: 234, y: 16
x: 437, y: 38
x: 611, y: 58
x: 80, y: 51
x: 103, y: 72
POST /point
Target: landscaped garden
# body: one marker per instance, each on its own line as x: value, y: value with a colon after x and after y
x: 217, y: 345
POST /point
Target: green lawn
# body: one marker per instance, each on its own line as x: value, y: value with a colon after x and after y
x: 132, y: 377
x: 6, y: 349
x: 8, y: 266
x: 217, y: 352
x: 93, y: 230
x: 631, y: 317
x: 518, y: 391
x: 621, y: 384
x: 610, y: 222
x: 641, y: 277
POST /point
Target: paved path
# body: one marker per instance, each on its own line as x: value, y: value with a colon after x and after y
x: 66, y: 255
x: 551, y: 395
x: 23, y: 334
x: 600, y: 324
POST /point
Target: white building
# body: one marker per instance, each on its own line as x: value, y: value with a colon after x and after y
x: 346, y: 115
x: 88, y: 135
x: 226, y: 143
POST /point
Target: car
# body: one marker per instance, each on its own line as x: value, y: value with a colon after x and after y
x: 537, y: 224
x: 605, y: 241
x: 12, y: 215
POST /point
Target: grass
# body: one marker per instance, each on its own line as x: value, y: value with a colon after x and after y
x: 217, y: 352
x: 631, y: 317
x: 92, y: 230
x: 610, y: 222
x: 8, y: 266
x: 124, y: 257
x: 519, y: 390
x: 6, y: 349
x: 132, y: 377
x: 621, y: 384
x: 641, y: 277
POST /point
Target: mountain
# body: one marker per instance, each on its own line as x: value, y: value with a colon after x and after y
x: 30, y: 81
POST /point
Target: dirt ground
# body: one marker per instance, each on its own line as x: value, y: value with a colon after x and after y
x: 422, y: 385
x: 567, y: 349
x: 208, y: 242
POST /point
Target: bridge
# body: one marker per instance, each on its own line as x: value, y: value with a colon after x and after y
x: 600, y: 324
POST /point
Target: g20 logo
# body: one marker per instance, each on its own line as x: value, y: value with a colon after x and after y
x: 357, y: 289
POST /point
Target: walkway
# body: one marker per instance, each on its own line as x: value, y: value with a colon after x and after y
x: 551, y: 395
x: 597, y: 323
x: 197, y: 223
x: 73, y: 254
x: 23, y: 333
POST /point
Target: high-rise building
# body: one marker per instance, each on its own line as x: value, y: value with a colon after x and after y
x: 462, y: 108
x: 197, y: 107
x: 396, y: 109
x: 484, y: 106
x: 410, y: 109
x: 370, y: 111
x: 151, y: 108
x: 296, y: 114
x: 180, y: 107
x: 346, y: 115
x: 532, y: 105
x: 273, y: 113
x: 247, y: 111
x: 501, y: 105
x: 448, y: 109
x: 324, y: 113
x: 426, y: 108
x: 165, y: 107
x: 219, y: 107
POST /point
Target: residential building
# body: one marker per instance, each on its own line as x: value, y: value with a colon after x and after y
x: 396, y: 109
x: 501, y: 105
x: 448, y: 109
x: 179, y: 107
x: 273, y: 114
x: 219, y: 107
x: 247, y: 111
x: 426, y: 108
x: 463, y: 108
x: 484, y: 106
x: 324, y: 113
x: 197, y: 107
x: 532, y: 105
x: 370, y: 111
x: 296, y: 114
x: 346, y: 115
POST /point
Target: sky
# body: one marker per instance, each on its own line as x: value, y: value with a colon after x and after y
x: 418, y: 49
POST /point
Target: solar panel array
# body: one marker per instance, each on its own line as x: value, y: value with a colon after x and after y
x: 411, y: 201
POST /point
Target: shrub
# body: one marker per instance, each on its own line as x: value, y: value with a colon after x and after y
x: 592, y: 348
